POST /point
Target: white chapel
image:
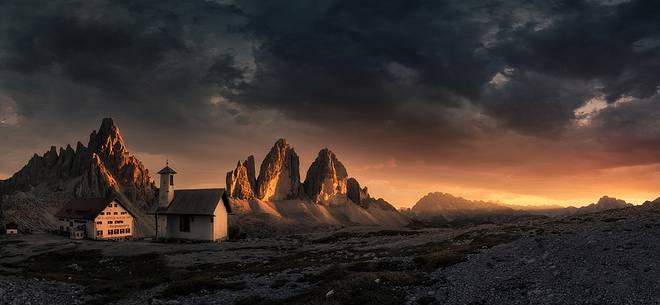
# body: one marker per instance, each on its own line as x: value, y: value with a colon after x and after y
x: 193, y: 214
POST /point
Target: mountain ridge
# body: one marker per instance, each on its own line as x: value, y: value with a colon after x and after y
x: 437, y: 206
x: 328, y: 195
x: 103, y: 166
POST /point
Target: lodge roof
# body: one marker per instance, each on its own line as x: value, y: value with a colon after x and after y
x: 88, y: 208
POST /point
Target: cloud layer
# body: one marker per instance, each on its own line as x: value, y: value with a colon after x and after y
x: 496, y: 85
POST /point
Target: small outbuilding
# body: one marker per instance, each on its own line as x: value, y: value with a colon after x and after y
x: 11, y: 229
x: 96, y: 218
x: 195, y: 214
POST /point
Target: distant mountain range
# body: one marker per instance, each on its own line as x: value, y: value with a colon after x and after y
x: 443, y: 207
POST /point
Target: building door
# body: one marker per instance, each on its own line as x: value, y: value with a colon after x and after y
x: 184, y: 223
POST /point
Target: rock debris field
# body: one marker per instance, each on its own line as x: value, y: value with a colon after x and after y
x: 604, y: 258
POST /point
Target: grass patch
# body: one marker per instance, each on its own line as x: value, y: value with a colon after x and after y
x: 340, y: 236
x: 11, y: 241
x: 197, y: 283
x: 439, y: 255
x: 112, y: 278
x: 353, y: 288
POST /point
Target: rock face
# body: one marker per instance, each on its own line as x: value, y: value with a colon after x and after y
x: 327, y: 197
x: 279, y: 175
x: 326, y: 177
x: 353, y: 190
x: 97, y: 181
x: 103, y: 166
x: 241, y: 182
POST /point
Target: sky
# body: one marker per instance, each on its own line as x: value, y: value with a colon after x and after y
x: 523, y: 102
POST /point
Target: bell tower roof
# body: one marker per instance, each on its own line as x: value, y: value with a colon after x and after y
x: 167, y: 169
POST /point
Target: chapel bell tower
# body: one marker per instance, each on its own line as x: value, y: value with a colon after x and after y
x: 166, y: 192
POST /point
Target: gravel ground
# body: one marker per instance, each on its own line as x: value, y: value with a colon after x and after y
x: 19, y: 291
x: 610, y: 258
x: 604, y: 258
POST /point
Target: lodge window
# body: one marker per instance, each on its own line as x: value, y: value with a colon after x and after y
x: 172, y: 180
x: 184, y: 223
x: 116, y: 231
x: 109, y: 232
x: 115, y: 205
x: 110, y: 205
x: 128, y: 230
x: 99, y: 233
x: 99, y: 222
x: 115, y: 213
x: 109, y: 222
x: 121, y: 231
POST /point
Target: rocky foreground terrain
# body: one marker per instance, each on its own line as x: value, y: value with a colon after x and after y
x: 602, y: 258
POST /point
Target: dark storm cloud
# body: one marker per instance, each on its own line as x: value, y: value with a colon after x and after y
x: 362, y: 59
x: 616, y: 44
x: 631, y: 130
x: 414, y: 69
x: 150, y: 59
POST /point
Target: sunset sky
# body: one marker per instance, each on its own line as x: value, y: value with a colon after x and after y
x: 523, y: 102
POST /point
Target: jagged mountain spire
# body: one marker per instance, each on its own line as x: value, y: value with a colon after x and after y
x: 279, y: 175
x: 104, y: 164
x: 326, y: 177
x: 241, y: 183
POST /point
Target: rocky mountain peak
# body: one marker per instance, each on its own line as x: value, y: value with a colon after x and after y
x: 604, y: 203
x: 326, y: 177
x: 241, y: 182
x: 279, y: 175
x: 105, y: 157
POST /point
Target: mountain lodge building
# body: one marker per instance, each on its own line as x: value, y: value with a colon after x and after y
x: 11, y: 229
x: 196, y: 214
x: 96, y: 218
